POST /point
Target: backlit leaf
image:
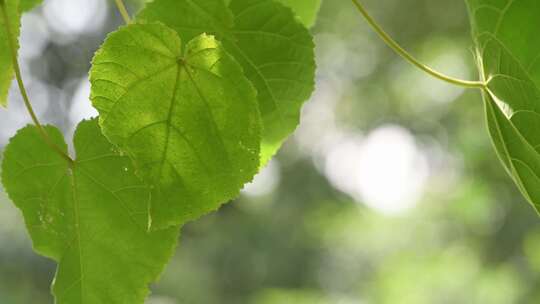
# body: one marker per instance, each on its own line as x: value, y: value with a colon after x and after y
x: 275, y: 50
x: 508, y: 47
x: 91, y: 217
x: 306, y: 10
x: 186, y: 114
x: 27, y: 5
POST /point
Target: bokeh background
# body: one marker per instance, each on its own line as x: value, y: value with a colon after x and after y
x: 389, y: 191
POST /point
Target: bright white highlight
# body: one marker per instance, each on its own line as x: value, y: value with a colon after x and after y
x: 81, y: 107
x: 34, y: 36
x: 386, y: 171
x: 73, y: 17
x: 265, y: 181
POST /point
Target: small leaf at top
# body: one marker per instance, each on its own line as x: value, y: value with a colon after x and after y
x: 508, y: 50
x: 91, y: 217
x: 275, y: 50
x: 186, y: 115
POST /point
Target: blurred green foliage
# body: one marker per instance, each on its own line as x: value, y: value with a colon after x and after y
x: 471, y: 239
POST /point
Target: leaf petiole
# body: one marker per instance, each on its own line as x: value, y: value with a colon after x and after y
x: 17, y: 69
x: 123, y: 11
x: 407, y: 56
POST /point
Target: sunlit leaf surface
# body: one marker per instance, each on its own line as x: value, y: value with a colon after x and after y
x: 91, y: 217
x: 186, y: 114
x: 27, y: 5
x: 274, y: 49
x: 306, y: 10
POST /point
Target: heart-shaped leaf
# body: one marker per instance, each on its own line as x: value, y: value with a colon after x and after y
x: 186, y: 115
x: 91, y: 217
x: 275, y: 50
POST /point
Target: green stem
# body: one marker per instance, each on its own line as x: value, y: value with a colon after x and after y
x: 403, y: 53
x: 17, y: 69
x: 123, y: 11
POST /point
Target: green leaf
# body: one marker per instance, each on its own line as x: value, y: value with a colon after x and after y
x: 275, y: 50
x: 6, y: 65
x: 508, y: 47
x: 27, y: 5
x: 91, y: 217
x: 187, y: 116
x: 306, y: 10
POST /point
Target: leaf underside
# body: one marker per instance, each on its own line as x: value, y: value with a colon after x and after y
x: 91, y: 218
x: 188, y: 117
x: 508, y: 44
x: 274, y: 49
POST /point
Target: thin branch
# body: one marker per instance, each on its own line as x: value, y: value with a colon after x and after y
x: 17, y: 69
x: 403, y: 53
x: 123, y: 11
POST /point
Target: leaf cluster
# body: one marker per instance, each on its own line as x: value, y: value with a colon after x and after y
x: 193, y: 97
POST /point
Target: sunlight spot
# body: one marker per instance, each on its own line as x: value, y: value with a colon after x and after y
x: 265, y: 182
x: 81, y: 107
x: 69, y: 18
x: 386, y: 170
x: 34, y: 35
